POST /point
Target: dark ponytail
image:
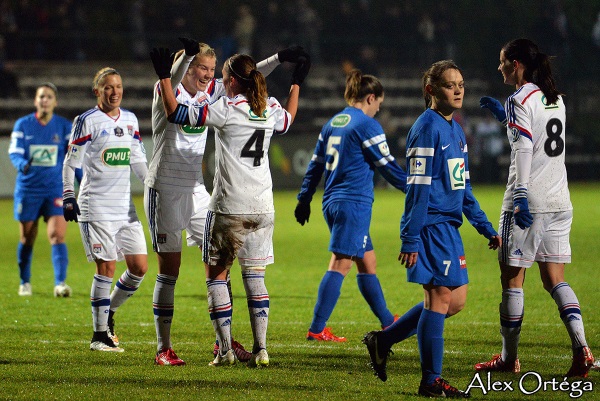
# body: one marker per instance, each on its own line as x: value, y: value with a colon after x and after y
x: 537, y: 66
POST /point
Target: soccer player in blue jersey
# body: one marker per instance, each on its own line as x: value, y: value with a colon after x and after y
x: 351, y: 145
x: 37, y: 149
x: 438, y: 193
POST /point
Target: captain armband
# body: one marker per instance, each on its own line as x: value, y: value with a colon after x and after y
x: 180, y: 115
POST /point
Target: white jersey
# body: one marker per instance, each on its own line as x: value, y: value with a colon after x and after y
x: 105, y: 147
x: 176, y: 162
x: 538, y: 129
x: 242, y: 183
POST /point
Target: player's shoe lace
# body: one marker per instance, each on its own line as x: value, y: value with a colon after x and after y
x: 168, y: 357
x: 240, y: 351
x: 224, y: 360
x: 260, y: 359
x: 325, y: 335
x: 102, y: 342
x: 377, y: 354
x: 496, y: 364
x: 441, y: 388
x: 25, y: 290
x: 583, y: 360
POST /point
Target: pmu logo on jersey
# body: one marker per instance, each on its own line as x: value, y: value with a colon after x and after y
x: 191, y: 130
x: 341, y: 120
x: 43, y: 155
x: 456, y: 170
x: 119, y: 132
x: 254, y: 117
x: 462, y: 262
x: 116, y: 157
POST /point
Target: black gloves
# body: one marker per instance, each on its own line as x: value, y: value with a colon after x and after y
x: 70, y: 209
x: 162, y: 61
x: 301, y: 70
x: 191, y: 46
x: 302, y: 212
x: 291, y: 54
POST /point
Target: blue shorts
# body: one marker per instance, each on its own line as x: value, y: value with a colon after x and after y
x: 349, y: 226
x: 29, y: 207
x: 441, y: 259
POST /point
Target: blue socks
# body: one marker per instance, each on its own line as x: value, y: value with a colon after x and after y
x: 329, y: 292
x: 24, y: 253
x: 60, y: 261
x: 370, y: 288
x: 430, y: 333
x: 403, y: 328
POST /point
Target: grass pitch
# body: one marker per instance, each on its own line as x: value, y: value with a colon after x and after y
x: 44, y: 341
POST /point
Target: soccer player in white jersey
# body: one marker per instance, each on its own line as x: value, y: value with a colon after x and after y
x: 106, y: 144
x: 241, y: 213
x: 536, y: 212
x: 175, y: 196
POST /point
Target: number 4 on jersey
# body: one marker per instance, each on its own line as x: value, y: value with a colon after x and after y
x: 256, y: 140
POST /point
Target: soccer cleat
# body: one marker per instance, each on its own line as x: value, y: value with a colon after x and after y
x: 168, y: 357
x: 325, y: 335
x: 496, y: 364
x: 378, y: 356
x: 260, y: 359
x: 228, y: 359
x: 583, y: 360
x: 441, y: 388
x: 111, y: 329
x: 240, y: 351
x: 101, y: 342
x: 62, y: 290
x: 25, y: 290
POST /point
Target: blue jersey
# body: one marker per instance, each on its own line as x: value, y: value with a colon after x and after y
x: 350, y: 146
x: 438, y: 188
x: 43, y: 147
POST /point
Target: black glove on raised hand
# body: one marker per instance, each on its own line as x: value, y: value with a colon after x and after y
x: 191, y: 46
x: 70, y: 209
x: 162, y: 61
x: 292, y: 54
x: 302, y: 212
x: 301, y: 70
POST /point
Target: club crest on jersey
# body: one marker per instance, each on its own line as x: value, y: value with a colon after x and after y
x: 456, y: 171
x: 130, y: 130
x: 116, y: 157
x: 96, y: 248
x: 418, y: 166
x: 341, y: 120
x: 254, y: 117
x: 119, y: 132
x: 161, y: 238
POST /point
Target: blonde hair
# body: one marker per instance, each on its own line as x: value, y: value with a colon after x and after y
x: 102, y: 74
x: 205, y: 51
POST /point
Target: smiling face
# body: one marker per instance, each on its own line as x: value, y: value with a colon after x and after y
x: 507, y: 69
x: 448, y: 95
x: 45, y: 101
x: 199, y: 74
x: 110, y: 93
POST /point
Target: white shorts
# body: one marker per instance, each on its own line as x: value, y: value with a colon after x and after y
x: 547, y: 240
x: 112, y: 240
x: 249, y: 237
x: 169, y: 213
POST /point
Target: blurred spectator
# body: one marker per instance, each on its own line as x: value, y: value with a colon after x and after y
x: 9, y: 87
x: 426, y: 30
x: 8, y: 28
x: 596, y: 32
x: 139, y: 45
x: 490, y: 144
x: 309, y: 25
x: 243, y: 29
